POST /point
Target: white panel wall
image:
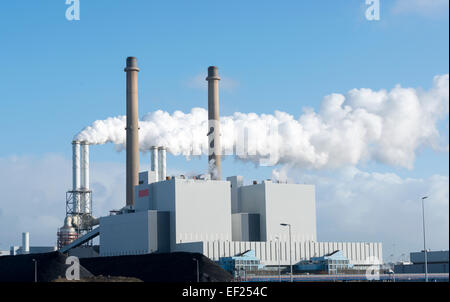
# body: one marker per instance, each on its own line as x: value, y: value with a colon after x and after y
x: 268, y: 253
x: 281, y: 203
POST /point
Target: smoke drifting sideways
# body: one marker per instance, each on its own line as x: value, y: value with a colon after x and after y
x: 388, y: 127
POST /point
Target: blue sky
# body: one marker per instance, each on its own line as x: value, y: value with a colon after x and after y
x: 59, y: 76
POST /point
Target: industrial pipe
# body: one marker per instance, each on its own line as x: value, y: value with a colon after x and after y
x: 85, y: 204
x: 214, y: 160
x: 75, y: 165
x: 154, y: 161
x: 76, y: 176
x: 132, y: 136
x: 25, y: 243
x: 162, y: 163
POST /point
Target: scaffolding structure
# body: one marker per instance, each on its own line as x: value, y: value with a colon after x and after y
x: 79, y: 208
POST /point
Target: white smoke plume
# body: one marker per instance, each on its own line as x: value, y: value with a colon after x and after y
x: 384, y: 126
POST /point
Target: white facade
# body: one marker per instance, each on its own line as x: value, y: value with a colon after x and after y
x: 199, y: 209
x: 359, y: 253
x: 281, y: 203
x: 214, y: 216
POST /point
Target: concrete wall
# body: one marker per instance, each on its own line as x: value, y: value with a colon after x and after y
x: 245, y: 227
x: 253, y: 200
x: 235, y: 183
x: 432, y: 256
x: 433, y: 268
x: 199, y: 209
x: 282, y: 203
x: 134, y: 233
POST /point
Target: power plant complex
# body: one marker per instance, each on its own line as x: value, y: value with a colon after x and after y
x: 206, y: 214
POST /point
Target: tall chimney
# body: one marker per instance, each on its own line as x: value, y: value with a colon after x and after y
x: 76, y: 175
x: 85, y: 165
x: 154, y: 161
x: 75, y: 165
x: 132, y: 139
x: 85, y: 206
x: 25, y: 243
x: 162, y: 163
x: 214, y: 163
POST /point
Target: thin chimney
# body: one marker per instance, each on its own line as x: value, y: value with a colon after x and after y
x: 132, y: 137
x: 214, y: 160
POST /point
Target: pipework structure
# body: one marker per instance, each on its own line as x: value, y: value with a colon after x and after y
x: 79, y: 219
x: 132, y: 138
x: 214, y: 159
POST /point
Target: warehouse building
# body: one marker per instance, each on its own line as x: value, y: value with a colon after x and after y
x: 437, y: 263
x: 25, y: 248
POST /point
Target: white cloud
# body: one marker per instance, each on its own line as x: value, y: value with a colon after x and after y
x: 386, y: 126
x: 427, y: 8
x: 353, y: 205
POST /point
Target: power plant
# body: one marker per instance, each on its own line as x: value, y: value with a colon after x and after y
x: 205, y: 214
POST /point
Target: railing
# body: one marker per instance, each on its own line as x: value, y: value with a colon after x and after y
x: 350, y: 278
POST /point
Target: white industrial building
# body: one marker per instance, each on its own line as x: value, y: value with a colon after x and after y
x: 219, y: 218
x: 195, y: 215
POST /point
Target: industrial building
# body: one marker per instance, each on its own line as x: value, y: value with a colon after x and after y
x: 437, y: 263
x: 25, y: 248
x: 241, y: 263
x: 205, y: 214
x: 332, y: 263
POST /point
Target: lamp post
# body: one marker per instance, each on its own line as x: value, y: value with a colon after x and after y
x: 279, y: 257
x: 35, y: 270
x: 198, y: 273
x: 290, y: 248
x: 424, y: 242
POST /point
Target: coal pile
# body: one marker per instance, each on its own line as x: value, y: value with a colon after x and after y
x: 173, y: 267
x: 50, y: 266
x: 101, y: 279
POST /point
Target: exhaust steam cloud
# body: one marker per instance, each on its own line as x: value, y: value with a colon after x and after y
x: 383, y: 126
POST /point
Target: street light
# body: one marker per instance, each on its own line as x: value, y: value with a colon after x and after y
x: 198, y: 273
x: 290, y: 249
x: 35, y: 270
x: 424, y: 242
x: 279, y: 257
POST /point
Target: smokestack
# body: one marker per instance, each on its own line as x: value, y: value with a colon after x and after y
x: 162, y: 163
x: 214, y: 163
x: 25, y: 243
x: 132, y: 139
x: 85, y: 176
x: 76, y: 175
x: 85, y: 165
x: 75, y: 165
x: 154, y: 161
